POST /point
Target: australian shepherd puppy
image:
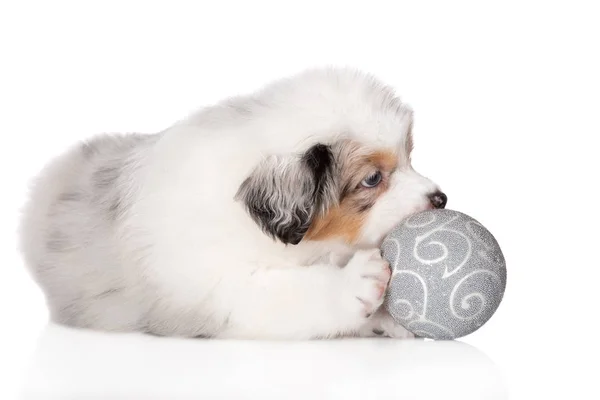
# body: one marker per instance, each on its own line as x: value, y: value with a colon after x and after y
x: 258, y: 217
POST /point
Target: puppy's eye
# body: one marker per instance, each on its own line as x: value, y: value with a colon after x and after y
x: 372, y: 180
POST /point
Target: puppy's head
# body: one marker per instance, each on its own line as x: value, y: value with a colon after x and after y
x: 346, y: 191
x: 355, y: 182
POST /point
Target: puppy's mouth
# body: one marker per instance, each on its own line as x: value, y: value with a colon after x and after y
x: 422, y: 208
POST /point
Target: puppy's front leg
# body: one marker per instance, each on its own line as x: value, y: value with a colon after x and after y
x: 304, y: 302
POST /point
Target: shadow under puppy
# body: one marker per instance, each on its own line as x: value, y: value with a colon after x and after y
x: 258, y: 217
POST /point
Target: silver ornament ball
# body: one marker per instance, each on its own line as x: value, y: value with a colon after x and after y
x: 448, y: 274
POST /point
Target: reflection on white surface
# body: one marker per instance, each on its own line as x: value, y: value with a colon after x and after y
x: 77, y: 364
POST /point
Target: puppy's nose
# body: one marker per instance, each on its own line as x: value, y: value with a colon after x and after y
x: 438, y: 199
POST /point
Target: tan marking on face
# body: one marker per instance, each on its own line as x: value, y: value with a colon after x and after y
x: 340, y: 221
x: 346, y: 219
x: 384, y: 160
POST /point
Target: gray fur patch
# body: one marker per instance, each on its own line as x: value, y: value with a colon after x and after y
x: 89, y: 149
x: 109, y: 292
x: 69, y: 313
x: 116, y: 208
x: 70, y: 196
x: 58, y: 241
x: 106, y: 176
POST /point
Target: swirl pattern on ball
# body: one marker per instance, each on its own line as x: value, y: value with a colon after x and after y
x: 448, y: 274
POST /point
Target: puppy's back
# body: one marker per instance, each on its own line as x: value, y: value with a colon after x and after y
x: 69, y: 233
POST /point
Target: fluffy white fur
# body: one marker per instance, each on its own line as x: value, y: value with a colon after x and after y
x: 134, y: 232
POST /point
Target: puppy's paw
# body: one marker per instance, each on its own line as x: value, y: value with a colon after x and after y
x: 393, y: 330
x: 366, y: 277
x: 382, y: 324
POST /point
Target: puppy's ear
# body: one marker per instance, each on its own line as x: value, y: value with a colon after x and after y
x: 283, y: 194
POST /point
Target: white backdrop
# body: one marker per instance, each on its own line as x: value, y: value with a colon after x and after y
x: 506, y: 101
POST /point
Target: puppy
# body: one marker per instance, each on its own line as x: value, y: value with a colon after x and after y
x: 259, y: 217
